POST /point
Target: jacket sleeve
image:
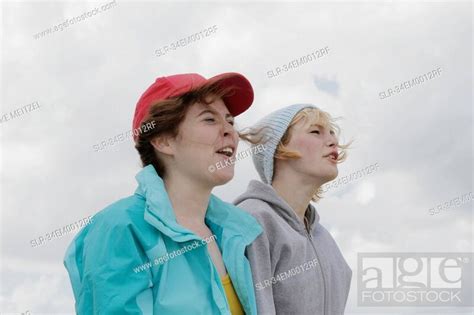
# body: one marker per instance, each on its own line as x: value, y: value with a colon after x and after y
x: 101, y: 263
x: 258, y: 253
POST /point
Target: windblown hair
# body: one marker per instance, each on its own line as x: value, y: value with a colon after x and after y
x: 311, y: 116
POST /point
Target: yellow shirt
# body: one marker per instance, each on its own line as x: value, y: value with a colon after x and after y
x: 232, y: 298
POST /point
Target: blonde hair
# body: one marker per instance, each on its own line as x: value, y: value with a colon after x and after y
x: 311, y: 116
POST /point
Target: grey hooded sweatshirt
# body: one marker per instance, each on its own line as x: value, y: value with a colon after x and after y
x: 295, y: 270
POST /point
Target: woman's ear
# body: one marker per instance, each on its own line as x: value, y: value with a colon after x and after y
x: 162, y: 145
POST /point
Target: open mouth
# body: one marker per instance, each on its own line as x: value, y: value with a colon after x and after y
x: 227, y: 151
x: 332, y: 156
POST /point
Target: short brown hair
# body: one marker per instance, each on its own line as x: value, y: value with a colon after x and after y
x: 167, y: 116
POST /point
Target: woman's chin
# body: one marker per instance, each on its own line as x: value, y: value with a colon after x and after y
x: 333, y: 175
x: 221, y: 177
x: 326, y: 176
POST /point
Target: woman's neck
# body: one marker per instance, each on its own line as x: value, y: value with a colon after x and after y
x: 297, y: 198
x: 188, y: 199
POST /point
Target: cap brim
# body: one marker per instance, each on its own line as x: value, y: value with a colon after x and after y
x: 240, y: 99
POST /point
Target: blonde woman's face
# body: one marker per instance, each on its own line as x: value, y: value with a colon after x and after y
x: 315, y: 144
x: 207, y: 139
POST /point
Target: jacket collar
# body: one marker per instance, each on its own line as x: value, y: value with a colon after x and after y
x: 219, y: 215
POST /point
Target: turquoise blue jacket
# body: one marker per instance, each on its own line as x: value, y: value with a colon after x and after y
x: 117, y: 263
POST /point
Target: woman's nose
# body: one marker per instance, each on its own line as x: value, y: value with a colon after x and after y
x: 332, y: 141
x: 227, y: 128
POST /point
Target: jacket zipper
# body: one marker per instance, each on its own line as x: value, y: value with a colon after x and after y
x: 320, y: 268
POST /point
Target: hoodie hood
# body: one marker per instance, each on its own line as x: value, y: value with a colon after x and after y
x: 264, y: 192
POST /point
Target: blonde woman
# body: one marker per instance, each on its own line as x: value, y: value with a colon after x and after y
x: 297, y: 266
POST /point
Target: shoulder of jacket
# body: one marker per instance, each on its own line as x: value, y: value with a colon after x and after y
x: 270, y: 221
x: 121, y: 214
x: 256, y: 207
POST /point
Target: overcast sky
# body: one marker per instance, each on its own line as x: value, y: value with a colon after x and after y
x: 88, y: 78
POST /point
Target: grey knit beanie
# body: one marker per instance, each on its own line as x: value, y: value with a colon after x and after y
x: 276, y: 124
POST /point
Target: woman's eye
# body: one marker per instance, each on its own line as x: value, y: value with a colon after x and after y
x: 210, y: 119
x: 231, y: 122
x: 315, y: 131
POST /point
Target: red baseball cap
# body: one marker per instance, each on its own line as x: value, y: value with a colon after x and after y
x: 175, y: 85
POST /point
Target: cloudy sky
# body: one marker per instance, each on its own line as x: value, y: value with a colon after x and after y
x: 87, y: 78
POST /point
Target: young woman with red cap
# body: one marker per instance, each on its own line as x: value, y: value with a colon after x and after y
x: 173, y: 247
